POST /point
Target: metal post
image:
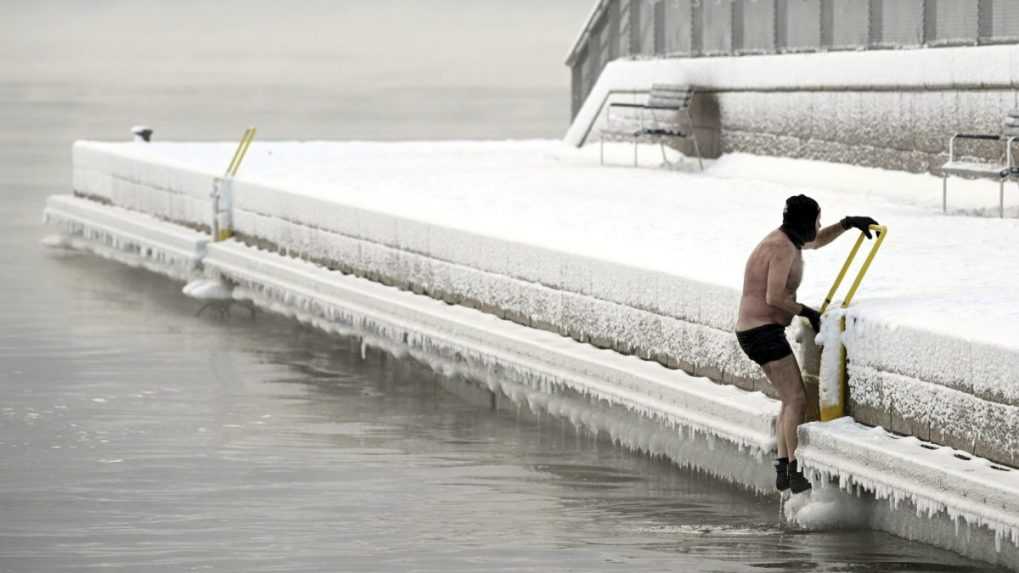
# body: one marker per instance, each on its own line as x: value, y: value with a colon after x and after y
x: 215, y: 208
x: 221, y: 184
x: 659, y: 37
x: 781, y: 25
x: 944, y: 193
x: 985, y: 19
x: 827, y: 24
x: 930, y: 21
x: 875, y: 28
x: 736, y: 31
x: 1001, y: 198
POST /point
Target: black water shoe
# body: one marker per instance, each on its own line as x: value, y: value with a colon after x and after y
x: 797, y: 482
x: 782, y: 474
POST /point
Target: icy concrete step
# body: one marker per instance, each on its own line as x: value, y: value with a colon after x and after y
x: 934, y: 479
x: 127, y: 236
x: 745, y: 419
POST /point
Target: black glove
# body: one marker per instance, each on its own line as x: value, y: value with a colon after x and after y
x: 861, y: 223
x: 812, y: 315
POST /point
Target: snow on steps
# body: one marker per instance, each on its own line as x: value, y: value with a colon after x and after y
x: 941, y: 484
x: 724, y: 417
x: 129, y: 237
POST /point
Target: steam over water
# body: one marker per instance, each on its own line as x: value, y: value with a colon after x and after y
x: 135, y: 435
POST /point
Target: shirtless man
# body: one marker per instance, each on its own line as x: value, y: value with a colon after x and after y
x: 768, y: 305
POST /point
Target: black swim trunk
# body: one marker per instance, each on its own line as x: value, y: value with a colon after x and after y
x: 765, y: 344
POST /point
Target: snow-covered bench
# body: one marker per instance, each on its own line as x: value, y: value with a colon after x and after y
x: 1004, y: 169
x: 665, y: 117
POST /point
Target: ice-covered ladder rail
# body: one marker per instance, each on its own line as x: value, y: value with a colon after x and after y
x: 833, y: 404
x: 222, y: 201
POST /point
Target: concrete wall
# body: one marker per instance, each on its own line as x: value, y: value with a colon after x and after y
x: 890, y: 109
x: 656, y: 316
x: 904, y: 130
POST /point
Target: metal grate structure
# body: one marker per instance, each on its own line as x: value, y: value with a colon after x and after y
x: 698, y: 28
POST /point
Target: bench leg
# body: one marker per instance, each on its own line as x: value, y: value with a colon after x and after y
x: 944, y: 193
x: 635, y: 152
x: 1001, y: 199
x: 696, y: 148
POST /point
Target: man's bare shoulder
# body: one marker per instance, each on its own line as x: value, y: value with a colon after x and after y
x: 776, y: 244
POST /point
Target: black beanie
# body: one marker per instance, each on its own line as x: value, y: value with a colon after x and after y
x: 799, y: 220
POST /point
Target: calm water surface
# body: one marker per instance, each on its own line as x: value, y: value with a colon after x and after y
x: 137, y: 436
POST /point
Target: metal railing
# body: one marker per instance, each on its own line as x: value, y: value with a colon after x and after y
x: 697, y: 28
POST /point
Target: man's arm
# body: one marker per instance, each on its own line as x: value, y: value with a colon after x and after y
x: 825, y: 236
x: 777, y: 293
x: 832, y: 232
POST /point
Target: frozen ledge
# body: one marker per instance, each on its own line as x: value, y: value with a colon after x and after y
x: 129, y: 237
x: 694, y: 405
x: 939, y: 482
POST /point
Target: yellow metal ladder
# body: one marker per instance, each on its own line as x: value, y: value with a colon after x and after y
x: 222, y: 203
x: 837, y: 408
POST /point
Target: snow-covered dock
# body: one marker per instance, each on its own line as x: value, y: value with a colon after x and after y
x: 647, y: 262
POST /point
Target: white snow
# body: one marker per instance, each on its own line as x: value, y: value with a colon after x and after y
x: 969, y: 66
x: 826, y: 508
x: 935, y: 481
x: 208, y: 289
x: 830, y: 374
x: 494, y: 199
x: 543, y: 230
x: 649, y: 256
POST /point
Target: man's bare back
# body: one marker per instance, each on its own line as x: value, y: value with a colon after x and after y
x: 754, y: 309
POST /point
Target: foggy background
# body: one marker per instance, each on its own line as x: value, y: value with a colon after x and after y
x: 366, y: 69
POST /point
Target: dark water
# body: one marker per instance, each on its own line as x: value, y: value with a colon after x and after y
x: 137, y: 436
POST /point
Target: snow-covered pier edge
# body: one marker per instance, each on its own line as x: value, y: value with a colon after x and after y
x: 291, y: 252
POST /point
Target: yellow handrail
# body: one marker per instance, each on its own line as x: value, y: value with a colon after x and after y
x: 242, y: 149
x: 842, y: 274
x: 882, y: 232
x: 221, y: 219
x: 837, y: 410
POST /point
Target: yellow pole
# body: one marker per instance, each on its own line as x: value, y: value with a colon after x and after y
x: 242, y: 149
x: 842, y: 274
x: 882, y: 232
x: 837, y: 410
x: 225, y: 231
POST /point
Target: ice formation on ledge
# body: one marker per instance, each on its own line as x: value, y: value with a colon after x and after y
x: 936, y: 481
x: 466, y: 216
x: 128, y: 237
x: 208, y: 289
x: 718, y: 429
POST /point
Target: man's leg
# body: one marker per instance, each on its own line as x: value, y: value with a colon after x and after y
x: 784, y: 375
x: 783, y: 448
